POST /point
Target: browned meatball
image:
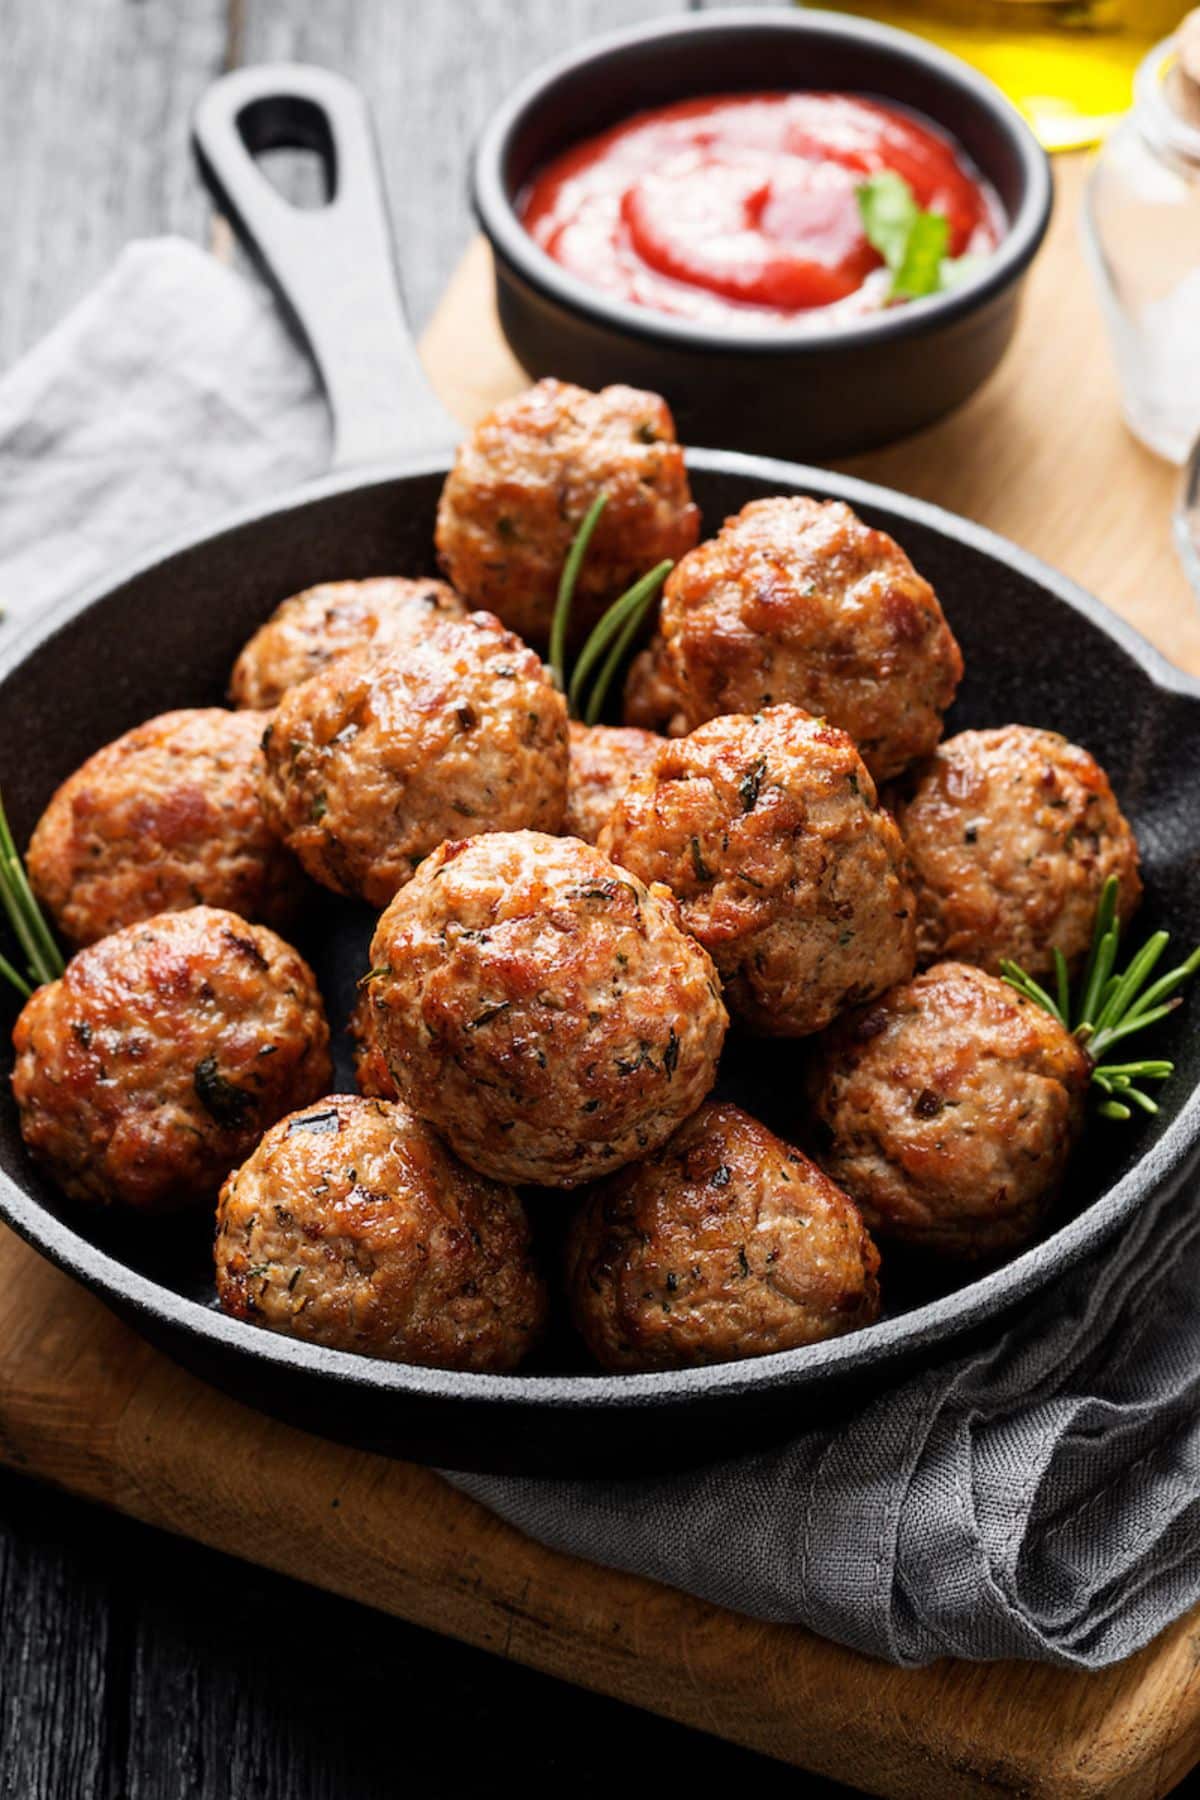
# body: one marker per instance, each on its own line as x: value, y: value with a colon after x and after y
x: 372, y: 1076
x: 797, y: 600
x: 725, y: 1243
x: 604, y: 760
x: 542, y: 1008
x: 786, y: 869
x: 385, y: 754
x: 1013, y: 834
x: 951, y: 1106
x: 157, y: 1061
x: 312, y: 629
x: 165, y: 817
x: 653, y: 701
x: 352, y: 1226
x: 523, y: 481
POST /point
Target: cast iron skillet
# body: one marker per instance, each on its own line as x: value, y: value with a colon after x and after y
x: 165, y: 635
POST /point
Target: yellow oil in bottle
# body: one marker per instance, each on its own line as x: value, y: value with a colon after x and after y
x: 1068, y: 64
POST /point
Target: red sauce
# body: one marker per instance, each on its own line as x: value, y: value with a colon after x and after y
x: 745, y: 205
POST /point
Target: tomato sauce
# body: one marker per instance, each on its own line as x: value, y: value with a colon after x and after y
x: 745, y: 205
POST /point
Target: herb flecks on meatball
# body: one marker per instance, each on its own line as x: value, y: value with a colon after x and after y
x: 166, y: 817
x: 352, y: 1226
x: 523, y: 482
x: 949, y: 1109
x: 310, y: 630
x: 1013, y: 834
x: 386, y: 754
x: 604, y: 760
x: 797, y: 601
x: 768, y: 832
x: 156, y: 1062
x: 726, y: 1243
x: 542, y: 1008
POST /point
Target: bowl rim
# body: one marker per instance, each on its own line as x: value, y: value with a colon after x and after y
x: 514, y: 246
x: 1161, y: 1167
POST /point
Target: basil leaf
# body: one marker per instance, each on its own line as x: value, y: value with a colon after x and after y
x: 912, y: 243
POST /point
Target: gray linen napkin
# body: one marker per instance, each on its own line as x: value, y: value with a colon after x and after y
x: 1039, y: 1498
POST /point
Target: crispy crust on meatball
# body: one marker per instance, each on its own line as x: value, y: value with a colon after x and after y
x: 726, y: 1243
x: 385, y: 754
x: 310, y: 630
x: 166, y: 817
x: 797, y: 601
x: 156, y: 1062
x: 653, y: 702
x: 523, y: 481
x: 951, y: 1107
x: 352, y: 1226
x: 372, y: 1077
x: 542, y: 1008
x: 604, y: 760
x: 768, y: 832
x: 1013, y: 834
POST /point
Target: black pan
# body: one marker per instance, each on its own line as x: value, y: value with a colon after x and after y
x: 1037, y: 650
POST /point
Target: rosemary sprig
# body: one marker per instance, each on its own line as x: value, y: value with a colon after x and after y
x: 611, y: 637
x: 42, y: 954
x: 566, y: 589
x: 1112, y: 1005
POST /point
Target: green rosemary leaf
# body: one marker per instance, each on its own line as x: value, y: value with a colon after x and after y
x: 1101, y: 970
x: 14, y: 977
x: 1114, y: 1034
x: 1124, y: 990
x: 24, y: 913
x: 603, y: 632
x: 646, y: 591
x: 1018, y: 978
x: 1113, y: 1109
x: 566, y: 589
x: 1166, y: 984
x: 1141, y: 1071
x: 1062, y: 978
x: 1106, y: 912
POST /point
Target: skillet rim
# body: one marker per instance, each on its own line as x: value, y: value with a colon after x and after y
x: 923, y: 1328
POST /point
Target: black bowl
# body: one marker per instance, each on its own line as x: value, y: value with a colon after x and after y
x: 785, y: 391
x: 1037, y: 650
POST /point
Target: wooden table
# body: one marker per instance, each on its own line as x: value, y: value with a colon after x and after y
x: 127, y: 1665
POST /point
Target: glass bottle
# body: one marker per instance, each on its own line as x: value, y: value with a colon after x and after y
x: 1068, y: 64
x: 1141, y: 224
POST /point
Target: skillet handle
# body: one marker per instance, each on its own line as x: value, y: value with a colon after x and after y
x: 332, y: 267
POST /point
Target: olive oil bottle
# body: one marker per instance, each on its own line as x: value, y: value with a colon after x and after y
x: 1068, y: 64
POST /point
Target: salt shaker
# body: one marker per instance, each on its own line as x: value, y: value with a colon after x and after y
x: 1142, y: 231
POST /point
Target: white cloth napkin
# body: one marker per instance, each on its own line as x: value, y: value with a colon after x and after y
x: 1037, y: 1498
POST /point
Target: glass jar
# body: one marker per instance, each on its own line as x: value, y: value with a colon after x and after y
x: 1142, y: 230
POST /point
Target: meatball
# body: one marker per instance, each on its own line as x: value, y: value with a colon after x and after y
x: 797, y: 600
x: 1013, y: 834
x: 542, y: 1008
x: 164, y: 818
x: 951, y: 1106
x: 523, y: 481
x: 385, y: 754
x: 604, y: 760
x: 372, y: 1076
x: 309, y: 631
x: 352, y: 1226
x: 726, y: 1243
x: 155, y: 1063
x: 768, y: 832
x: 653, y: 701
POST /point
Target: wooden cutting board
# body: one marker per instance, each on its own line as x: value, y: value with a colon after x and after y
x: 1041, y: 456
